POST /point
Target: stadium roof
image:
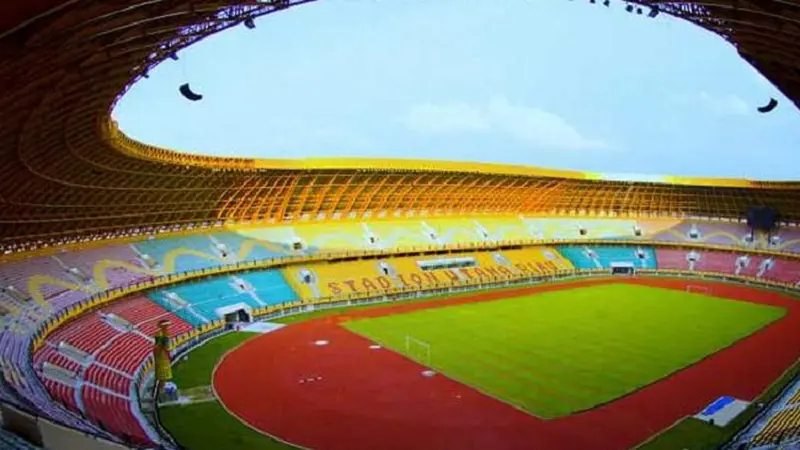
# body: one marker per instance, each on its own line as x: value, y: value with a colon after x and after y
x: 67, y: 171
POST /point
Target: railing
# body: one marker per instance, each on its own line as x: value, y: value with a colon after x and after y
x: 107, y: 296
x: 186, y: 341
x: 399, y: 294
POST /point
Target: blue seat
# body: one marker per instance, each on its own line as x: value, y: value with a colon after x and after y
x: 204, y: 298
x: 10, y: 441
x: 271, y: 287
x: 604, y: 256
x: 578, y: 257
x: 185, y: 261
x: 255, y: 249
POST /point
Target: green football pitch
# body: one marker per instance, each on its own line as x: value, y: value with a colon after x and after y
x: 558, y: 352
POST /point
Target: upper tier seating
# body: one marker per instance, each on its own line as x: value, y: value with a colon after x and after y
x: 49, y: 281
x: 601, y: 257
x: 331, y: 238
x: 719, y: 233
x: 788, y: 240
x: 114, y: 265
x: 546, y: 228
x: 42, y: 275
x: 94, y: 374
x: 236, y: 247
x: 400, y: 234
x: 44, y: 285
x: 187, y: 253
x: 504, y: 228
x: 455, y: 231
x: 181, y: 254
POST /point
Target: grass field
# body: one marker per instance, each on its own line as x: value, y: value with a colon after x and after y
x: 559, y: 352
x: 196, y: 371
x: 182, y: 420
x: 228, y: 432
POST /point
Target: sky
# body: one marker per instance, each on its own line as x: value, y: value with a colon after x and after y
x: 549, y: 83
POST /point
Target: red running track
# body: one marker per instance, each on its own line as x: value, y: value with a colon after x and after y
x: 356, y: 398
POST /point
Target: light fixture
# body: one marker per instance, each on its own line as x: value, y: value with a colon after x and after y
x: 249, y: 23
x: 629, y: 8
x: 653, y: 12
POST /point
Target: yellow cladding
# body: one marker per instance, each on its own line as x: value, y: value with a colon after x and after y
x: 333, y: 236
x: 510, y: 228
x: 389, y: 234
x: 400, y: 233
x: 360, y: 277
x: 538, y: 255
x: 292, y: 276
x: 325, y: 274
x: 455, y: 231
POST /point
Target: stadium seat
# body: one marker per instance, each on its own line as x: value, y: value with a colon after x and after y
x: 102, y: 384
x: 401, y: 234
x: 181, y: 254
x: 781, y: 426
x: 719, y: 233
x: 326, y: 238
x: 548, y: 228
x: 10, y: 441
x: 200, y: 302
x: 602, y: 257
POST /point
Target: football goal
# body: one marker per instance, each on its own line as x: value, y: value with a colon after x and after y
x: 418, y: 350
x: 693, y: 288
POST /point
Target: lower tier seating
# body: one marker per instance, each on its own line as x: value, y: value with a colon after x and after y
x: 112, y: 343
x: 768, y: 268
x: 206, y: 301
x: 604, y: 257
x: 10, y: 441
x: 93, y: 373
x: 323, y: 280
x: 784, y: 424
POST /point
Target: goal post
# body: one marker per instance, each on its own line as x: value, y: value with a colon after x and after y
x: 697, y: 289
x: 418, y: 350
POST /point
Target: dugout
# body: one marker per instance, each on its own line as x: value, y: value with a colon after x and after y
x: 623, y: 268
x: 234, y: 314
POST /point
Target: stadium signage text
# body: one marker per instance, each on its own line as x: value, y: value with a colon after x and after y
x: 432, y: 278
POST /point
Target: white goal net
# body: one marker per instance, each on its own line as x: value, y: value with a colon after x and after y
x: 418, y: 350
x: 698, y: 289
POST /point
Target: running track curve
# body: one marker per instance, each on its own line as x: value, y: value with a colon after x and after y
x: 355, y: 398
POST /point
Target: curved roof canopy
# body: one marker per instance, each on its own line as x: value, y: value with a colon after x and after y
x: 67, y: 171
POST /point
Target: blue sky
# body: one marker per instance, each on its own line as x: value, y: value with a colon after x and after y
x: 551, y: 83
